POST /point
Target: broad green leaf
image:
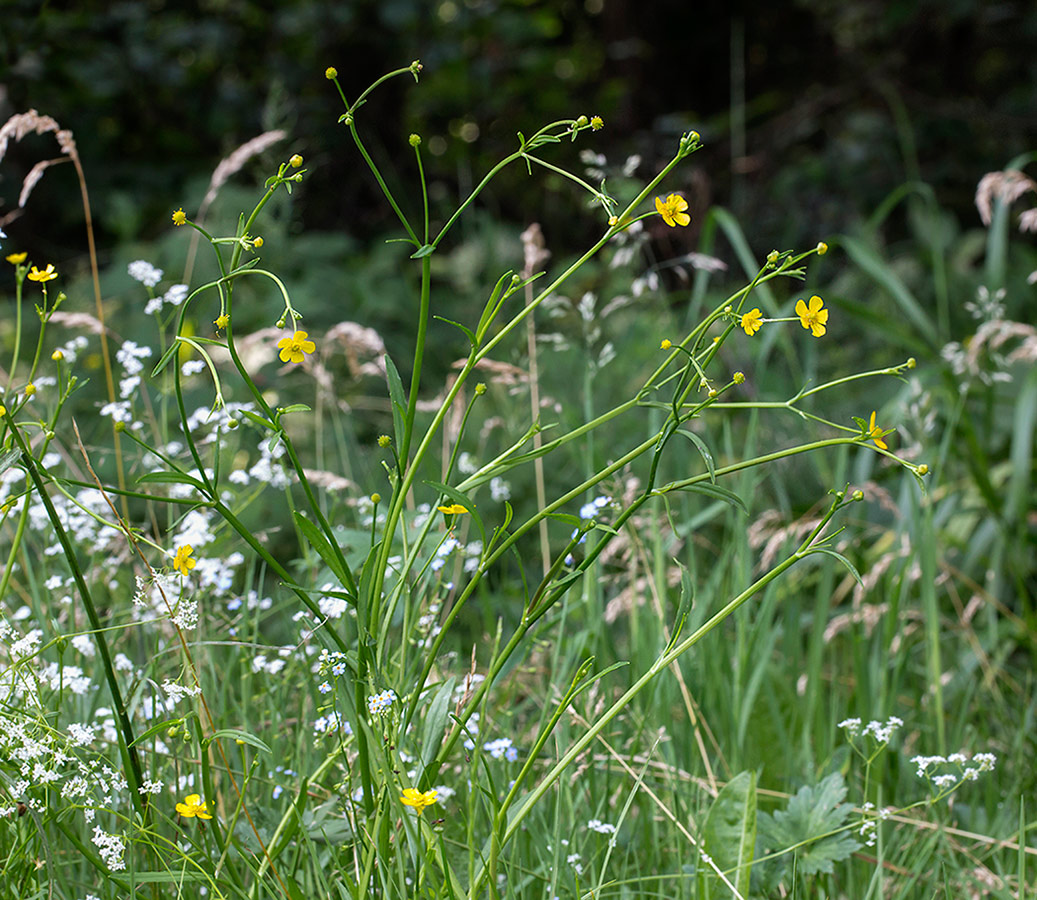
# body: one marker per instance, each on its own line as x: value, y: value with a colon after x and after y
x: 729, y: 836
x: 814, y: 817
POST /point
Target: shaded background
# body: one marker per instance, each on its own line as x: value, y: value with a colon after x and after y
x: 814, y: 107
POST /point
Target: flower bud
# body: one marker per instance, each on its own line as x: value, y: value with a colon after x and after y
x: 295, y: 161
x: 912, y: 362
x: 414, y: 140
x: 857, y: 495
x: 582, y: 122
x: 666, y: 344
x: 480, y: 389
x: 120, y: 427
x: 772, y: 257
x: 330, y: 72
x: 738, y: 378
x: 713, y: 392
x: 376, y: 497
x: 822, y: 248
x: 232, y: 423
x: 57, y: 356
x: 923, y: 469
x: 384, y: 440
x: 257, y: 243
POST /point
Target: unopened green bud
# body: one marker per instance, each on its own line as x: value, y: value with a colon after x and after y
x: 330, y: 72
x: 376, y: 497
x: 582, y: 122
x: 384, y: 440
x: 480, y: 389
x: 120, y: 427
x: 414, y: 140
x: 912, y: 362
x: 857, y: 495
x: 923, y: 469
x: 772, y: 257
x: 232, y: 423
x: 738, y: 377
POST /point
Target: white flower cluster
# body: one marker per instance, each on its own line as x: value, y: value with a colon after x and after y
x: 968, y: 769
x: 144, y: 272
x: 881, y: 732
x: 174, y: 297
x: 111, y: 848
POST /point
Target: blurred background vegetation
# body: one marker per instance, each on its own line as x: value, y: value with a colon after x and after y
x: 811, y: 111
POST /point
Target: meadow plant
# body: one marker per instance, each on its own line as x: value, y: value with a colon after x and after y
x: 244, y: 674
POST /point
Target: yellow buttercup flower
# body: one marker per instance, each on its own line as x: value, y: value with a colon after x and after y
x: 665, y: 344
x: 179, y: 217
x: 182, y: 562
x: 813, y: 316
x: 16, y: 259
x: 752, y: 321
x: 418, y: 799
x: 192, y: 806
x: 294, y: 348
x: 47, y: 274
x: 454, y: 509
x: 875, y: 433
x: 672, y: 210
x: 221, y: 321
x: 597, y: 123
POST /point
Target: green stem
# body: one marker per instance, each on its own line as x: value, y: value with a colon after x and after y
x: 127, y: 748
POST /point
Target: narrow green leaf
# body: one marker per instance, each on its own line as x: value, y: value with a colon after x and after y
x: 467, y: 331
x: 436, y: 719
x: 318, y: 540
x: 704, y: 452
x: 398, y: 398
x: 236, y: 734
x: 164, y: 359
x: 258, y: 420
x: 719, y: 493
x: 8, y: 459
x: 423, y: 251
x: 492, y: 307
x: 170, y: 478
x: 455, y: 495
x: 849, y: 565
